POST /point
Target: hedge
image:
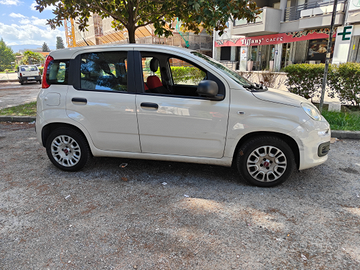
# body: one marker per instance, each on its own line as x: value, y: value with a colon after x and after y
x: 343, y: 81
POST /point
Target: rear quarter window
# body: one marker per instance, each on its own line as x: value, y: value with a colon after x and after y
x: 57, y: 72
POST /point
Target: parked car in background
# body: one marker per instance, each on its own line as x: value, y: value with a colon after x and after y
x: 167, y: 103
x: 29, y: 73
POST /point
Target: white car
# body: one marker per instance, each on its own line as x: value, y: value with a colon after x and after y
x: 27, y: 73
x: 173, y: 104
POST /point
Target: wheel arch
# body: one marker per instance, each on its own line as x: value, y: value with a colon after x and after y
x: 46, y: 131
x: 290, y: 141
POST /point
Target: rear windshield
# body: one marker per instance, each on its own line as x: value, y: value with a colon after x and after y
x: 28, y: 68
x: 57, y: 72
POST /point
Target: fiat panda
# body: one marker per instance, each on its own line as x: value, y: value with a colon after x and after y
x: 173, y: 104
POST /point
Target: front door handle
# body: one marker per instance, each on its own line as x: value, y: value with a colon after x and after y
x: 149, y: 105
x: 82, y: 101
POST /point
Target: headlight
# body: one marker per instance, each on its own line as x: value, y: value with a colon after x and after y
x: 311, y: 111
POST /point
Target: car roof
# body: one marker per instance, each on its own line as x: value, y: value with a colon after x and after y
x: 70, y: 53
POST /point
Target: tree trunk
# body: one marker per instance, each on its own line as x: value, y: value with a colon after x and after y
x: 131, y: 33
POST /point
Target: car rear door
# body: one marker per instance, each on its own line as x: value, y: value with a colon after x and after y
x: 102, y: 100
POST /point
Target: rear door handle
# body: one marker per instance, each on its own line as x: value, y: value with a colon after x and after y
x: 76, y: 100
x: 149, y: 105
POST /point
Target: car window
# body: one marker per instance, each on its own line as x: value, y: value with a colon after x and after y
x: 57, y: 72
x: 170, y: 75
x: 29, y: 68
x: 106, y: 71
x: 183, y: 72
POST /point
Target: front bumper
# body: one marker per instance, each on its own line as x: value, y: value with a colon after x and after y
x: 313, y: 139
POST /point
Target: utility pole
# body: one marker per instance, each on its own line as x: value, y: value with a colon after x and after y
x: 328, y: 53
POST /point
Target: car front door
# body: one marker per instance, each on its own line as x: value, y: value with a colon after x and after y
x: 175, y: 120
x: 102, y: 100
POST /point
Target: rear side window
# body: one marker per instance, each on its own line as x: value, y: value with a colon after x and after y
x: 105, y: 71
x: 57, y: 72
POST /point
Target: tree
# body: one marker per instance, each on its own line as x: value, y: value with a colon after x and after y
x: 195, y: 15
x: 6, y: 56
x: 32, y: 58
x: 45, y: 47
x: 59, y: 43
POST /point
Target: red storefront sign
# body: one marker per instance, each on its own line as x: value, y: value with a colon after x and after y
x: 276, y: 38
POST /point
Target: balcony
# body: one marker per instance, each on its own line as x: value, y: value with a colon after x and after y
x: 315, y: 14
x: 267, y: 23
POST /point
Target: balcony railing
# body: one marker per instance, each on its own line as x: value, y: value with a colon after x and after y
x: 294, y: 13
x: 259, y: 19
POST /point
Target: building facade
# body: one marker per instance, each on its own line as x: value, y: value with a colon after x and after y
x: 100, y: 31
x: 290, y: 32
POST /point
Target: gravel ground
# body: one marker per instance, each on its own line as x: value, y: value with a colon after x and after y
x: 134, y: 214
x: 13, y: 93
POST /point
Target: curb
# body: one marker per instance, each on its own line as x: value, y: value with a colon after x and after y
x: 17, y: 118
x: 340, y: 134
x: 6, y: 81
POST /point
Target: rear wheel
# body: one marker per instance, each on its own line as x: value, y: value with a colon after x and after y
x: 265, y: 161
x: 67, y: 149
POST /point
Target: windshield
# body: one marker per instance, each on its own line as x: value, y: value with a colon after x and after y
x: 232, y: 74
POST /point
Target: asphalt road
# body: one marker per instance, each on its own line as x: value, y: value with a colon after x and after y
x: 13, y: 93
x: 138, y: 214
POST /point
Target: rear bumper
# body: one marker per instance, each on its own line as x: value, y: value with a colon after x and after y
x: 29, y: 78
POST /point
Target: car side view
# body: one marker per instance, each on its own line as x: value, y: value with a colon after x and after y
x: 167, y: 103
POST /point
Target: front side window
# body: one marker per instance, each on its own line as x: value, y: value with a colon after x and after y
x: 185, y: 73
x: 105, y: 71
x: 170, y: 75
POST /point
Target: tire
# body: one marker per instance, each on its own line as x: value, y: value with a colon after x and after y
x: 22, y: 82
x: 67, y: 149
x: 265, y: 161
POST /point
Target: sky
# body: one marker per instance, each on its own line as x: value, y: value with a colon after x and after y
x: 21, y: 23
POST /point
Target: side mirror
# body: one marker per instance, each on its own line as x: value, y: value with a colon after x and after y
x: 207, y: 88
x: 210, y: 89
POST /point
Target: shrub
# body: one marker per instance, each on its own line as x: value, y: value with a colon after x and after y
x: 305, y: 79
x: 181, y: 75
x: 344, y: 81
x: 41, y: 69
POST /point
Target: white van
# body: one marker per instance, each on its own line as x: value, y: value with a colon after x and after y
x: 167, y: 103
x: 28, y: 73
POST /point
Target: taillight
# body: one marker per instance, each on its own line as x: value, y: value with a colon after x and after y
x: 20, y: 75
x: 47, y: 62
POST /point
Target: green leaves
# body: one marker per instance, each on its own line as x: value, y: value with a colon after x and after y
x: 195, y: 15
x: 31, y: 58
x: 6, y: 56
x: 343, y: 80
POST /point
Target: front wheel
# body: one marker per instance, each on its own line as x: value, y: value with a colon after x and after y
x: 67, y: 149
x: 265, y: 161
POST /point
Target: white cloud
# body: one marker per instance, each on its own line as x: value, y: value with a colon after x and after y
x: 38, y: 22
x: 10, y: 2
x: 18, y: 34
x: 32, y: 6
x: 16, y: 15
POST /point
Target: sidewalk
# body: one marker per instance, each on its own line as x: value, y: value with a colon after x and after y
x: 8, y: 77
